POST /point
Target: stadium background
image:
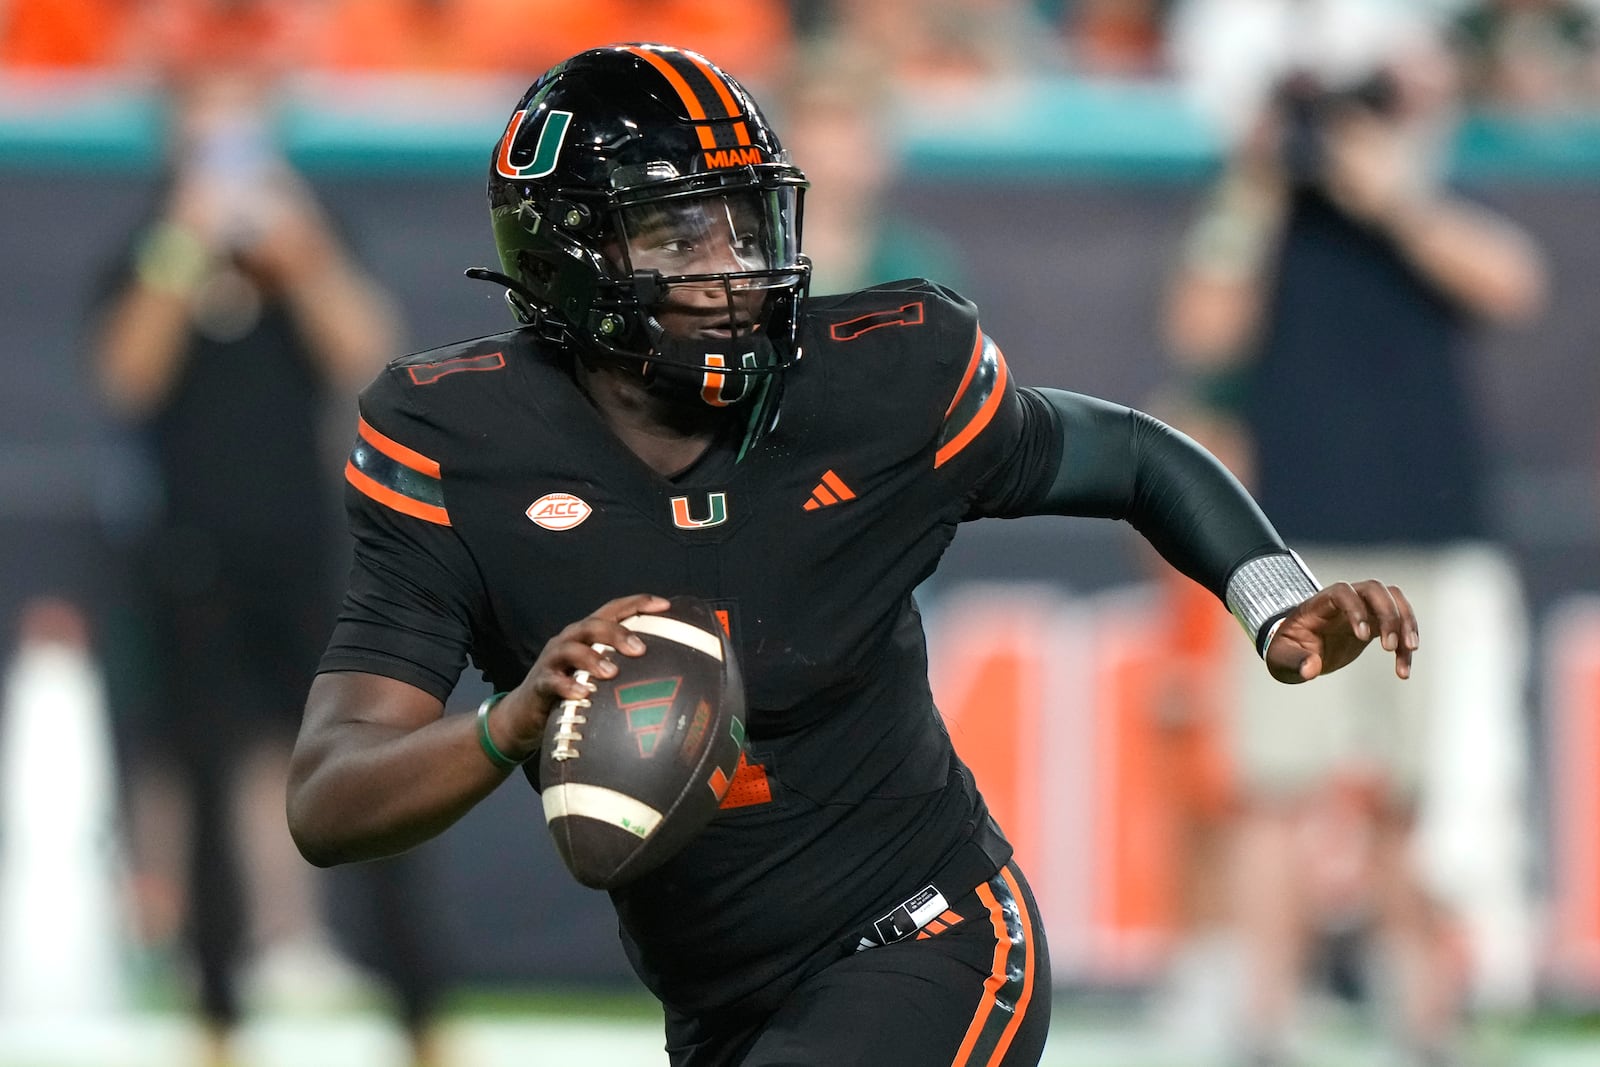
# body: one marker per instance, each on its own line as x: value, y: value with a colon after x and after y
x: 1067, y: 204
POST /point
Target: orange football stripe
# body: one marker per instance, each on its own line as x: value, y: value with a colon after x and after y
x: 981, y: 419
x: 389, y: 498
x: 1027, y: 970
x: 991, y: 984
x: 396, y: 451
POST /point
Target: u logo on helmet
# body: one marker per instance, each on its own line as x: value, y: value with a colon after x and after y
x: 545, y: 152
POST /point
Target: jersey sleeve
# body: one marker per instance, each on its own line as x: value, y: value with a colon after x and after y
x: 941, y: 384
x: 1028, y: 449
x: 966, y: 401
x: 413, y: 592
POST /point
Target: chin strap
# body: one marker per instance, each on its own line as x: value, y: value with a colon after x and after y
x: 484, y: 274
x: 522, y: 300
x: 763, y: 416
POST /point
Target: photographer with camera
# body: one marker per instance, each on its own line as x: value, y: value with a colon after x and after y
x: 227, y: 322
x: 1333, y: 283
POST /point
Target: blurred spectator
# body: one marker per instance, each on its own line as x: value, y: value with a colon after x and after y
x: 263, y: 39
x: 944, y: 46
x: 231, y: 316
x: 1195, y: 774
x: 1116, y: 38
x: 836, y: 113
x: 1530, y: 56
x: 1331, y: 284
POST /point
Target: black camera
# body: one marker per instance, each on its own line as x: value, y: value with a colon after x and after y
x: 1307, y: 106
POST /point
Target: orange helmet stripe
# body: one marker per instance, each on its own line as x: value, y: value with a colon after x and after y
x: 692, y: 100
x: 721, y: 86
x: 708, y: 139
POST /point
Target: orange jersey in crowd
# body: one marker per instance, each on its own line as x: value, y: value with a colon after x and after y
x: 63, y: 34
x: 426, y: 36
x: 527, y: 36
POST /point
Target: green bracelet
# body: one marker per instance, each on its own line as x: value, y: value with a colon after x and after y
x: 172, y: 260
x: 496, y: 757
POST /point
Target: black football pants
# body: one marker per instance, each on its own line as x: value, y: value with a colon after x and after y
x: 970, y: 989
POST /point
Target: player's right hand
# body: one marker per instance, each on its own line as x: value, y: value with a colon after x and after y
x: 582, y: 649
x: 1329, y: 629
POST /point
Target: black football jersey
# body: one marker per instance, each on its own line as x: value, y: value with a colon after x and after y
x: 491, y: 507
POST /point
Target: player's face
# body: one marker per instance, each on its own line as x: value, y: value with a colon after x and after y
x: 693, y: 239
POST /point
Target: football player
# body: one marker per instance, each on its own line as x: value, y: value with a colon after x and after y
x: 677, y: 415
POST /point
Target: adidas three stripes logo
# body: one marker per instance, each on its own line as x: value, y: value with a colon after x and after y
x: 829, y: 491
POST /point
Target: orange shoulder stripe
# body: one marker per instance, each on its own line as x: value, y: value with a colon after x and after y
x: 966, y: 379
x: 396, y: 451
x: 991, y: 404
x: 389, y: 498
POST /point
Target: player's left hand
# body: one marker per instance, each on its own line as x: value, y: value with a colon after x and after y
x: 1329, y: 630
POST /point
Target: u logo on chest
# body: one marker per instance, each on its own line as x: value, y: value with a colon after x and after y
x: 713, y: 513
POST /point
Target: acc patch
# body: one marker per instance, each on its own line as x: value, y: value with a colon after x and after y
x: 559, y: 511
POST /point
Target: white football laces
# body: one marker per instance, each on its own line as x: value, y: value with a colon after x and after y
x: 569, y: 716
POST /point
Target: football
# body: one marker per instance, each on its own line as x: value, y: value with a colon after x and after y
x: 630, y: 775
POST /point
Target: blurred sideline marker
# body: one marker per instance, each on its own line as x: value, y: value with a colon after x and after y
x: 1572, y: 665
x: 61, y: 929
x: 1047, y: 698
x: 1055, y: 703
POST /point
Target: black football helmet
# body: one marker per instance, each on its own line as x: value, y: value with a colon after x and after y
x: 653, y: 147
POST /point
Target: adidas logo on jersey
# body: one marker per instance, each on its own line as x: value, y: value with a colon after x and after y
x: 831, y: 490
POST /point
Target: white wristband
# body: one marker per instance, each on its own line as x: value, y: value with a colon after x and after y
x: 1263, y: 589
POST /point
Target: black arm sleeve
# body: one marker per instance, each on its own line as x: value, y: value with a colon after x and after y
x: 1078, y: 455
